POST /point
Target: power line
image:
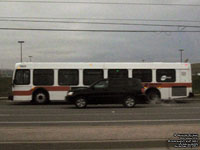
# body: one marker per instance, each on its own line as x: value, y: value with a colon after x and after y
x: 110, y: 19
x: 84, y: 30
x: 104, y: 23
x: 101, y: 3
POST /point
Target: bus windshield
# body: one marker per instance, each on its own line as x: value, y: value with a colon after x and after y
x: 22, y: 77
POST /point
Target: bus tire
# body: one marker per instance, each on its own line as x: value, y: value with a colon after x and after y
x: 80, y: 102
x: 41, y: 97
x: 129, y: 102
x: 153, y: 96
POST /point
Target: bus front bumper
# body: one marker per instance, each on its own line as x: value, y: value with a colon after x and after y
x: 10, y: 97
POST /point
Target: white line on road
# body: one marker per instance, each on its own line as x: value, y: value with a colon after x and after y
x: 83, y: 141
x: 97, y: 114
x: 105, y: 121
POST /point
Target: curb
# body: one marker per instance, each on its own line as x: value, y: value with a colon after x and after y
x: 87, y: 144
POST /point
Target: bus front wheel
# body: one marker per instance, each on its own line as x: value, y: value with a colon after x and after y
x: 40, y: 97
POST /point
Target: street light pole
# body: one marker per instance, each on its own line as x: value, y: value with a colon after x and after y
x: 181, y: 55
x: 30, y: 58
x: 21, y: 42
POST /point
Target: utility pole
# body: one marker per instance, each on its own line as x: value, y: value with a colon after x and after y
x: 181, y: 54
x: 21, y: 42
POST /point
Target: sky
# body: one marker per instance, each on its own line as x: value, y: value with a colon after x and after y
x: 73, y: 46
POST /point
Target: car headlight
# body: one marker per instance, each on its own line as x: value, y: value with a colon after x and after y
x: 70, y: 93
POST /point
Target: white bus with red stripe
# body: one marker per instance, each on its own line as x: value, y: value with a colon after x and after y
x: 42, y: 82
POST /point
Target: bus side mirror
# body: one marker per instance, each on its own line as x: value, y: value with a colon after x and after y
x: 13, y: 82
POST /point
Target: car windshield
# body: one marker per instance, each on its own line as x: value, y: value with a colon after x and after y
x: 95, y: 83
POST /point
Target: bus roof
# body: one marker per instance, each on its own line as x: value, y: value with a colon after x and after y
x: 104, y: 65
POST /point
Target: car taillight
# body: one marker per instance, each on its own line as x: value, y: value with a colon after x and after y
x: 142, y: 90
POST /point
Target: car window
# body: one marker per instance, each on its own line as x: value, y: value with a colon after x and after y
x: 101, y: 84
x: 118, y: 83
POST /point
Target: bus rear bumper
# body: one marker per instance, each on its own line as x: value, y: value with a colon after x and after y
x: 191, y: 94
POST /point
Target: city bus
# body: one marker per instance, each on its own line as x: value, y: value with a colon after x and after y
x: 44, y: 82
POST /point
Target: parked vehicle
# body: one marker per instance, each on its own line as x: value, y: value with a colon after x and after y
x: 126, y: 91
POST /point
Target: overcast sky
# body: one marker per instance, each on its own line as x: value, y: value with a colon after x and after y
x: 54, y: 46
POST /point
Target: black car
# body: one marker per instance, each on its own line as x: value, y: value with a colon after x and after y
x: 108, y: 91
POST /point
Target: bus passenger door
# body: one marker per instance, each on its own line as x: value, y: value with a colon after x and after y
x: 22, y: 85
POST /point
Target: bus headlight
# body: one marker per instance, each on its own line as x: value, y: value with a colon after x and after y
x: 70, y: 93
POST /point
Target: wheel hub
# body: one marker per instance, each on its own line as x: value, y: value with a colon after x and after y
x: 81, y: 102
x: 130, y: 102
x: 40, y: 97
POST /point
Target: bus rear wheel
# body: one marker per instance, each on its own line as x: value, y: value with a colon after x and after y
x: 40, y: 98
x: 153, y: 97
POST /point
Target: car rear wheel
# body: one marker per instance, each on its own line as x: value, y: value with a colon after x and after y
x: 81, y: 102
x: 129, y: 102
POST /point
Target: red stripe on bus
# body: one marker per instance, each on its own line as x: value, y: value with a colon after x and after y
x: 22, y: 93
x: 48, y: 88
x: 67, y: 88
x: 166, y: 85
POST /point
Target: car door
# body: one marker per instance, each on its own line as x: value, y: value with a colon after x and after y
x: 99, y: 92
x: 116, y: 91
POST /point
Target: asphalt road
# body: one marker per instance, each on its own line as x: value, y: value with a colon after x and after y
x: 12, y: 113
x: 61, y: 126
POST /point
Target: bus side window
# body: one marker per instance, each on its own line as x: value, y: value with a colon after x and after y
x: 92, y: 75
x: 165, y: 75
x: 145, y: 75
x: 117, y: 73
x: 43, y: 77
x: 68, y: 77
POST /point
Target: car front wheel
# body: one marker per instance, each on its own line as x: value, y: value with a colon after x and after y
x: 81, y: 102
x: 129, y: 102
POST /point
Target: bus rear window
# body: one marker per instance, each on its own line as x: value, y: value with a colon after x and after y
x: 22, y: 77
